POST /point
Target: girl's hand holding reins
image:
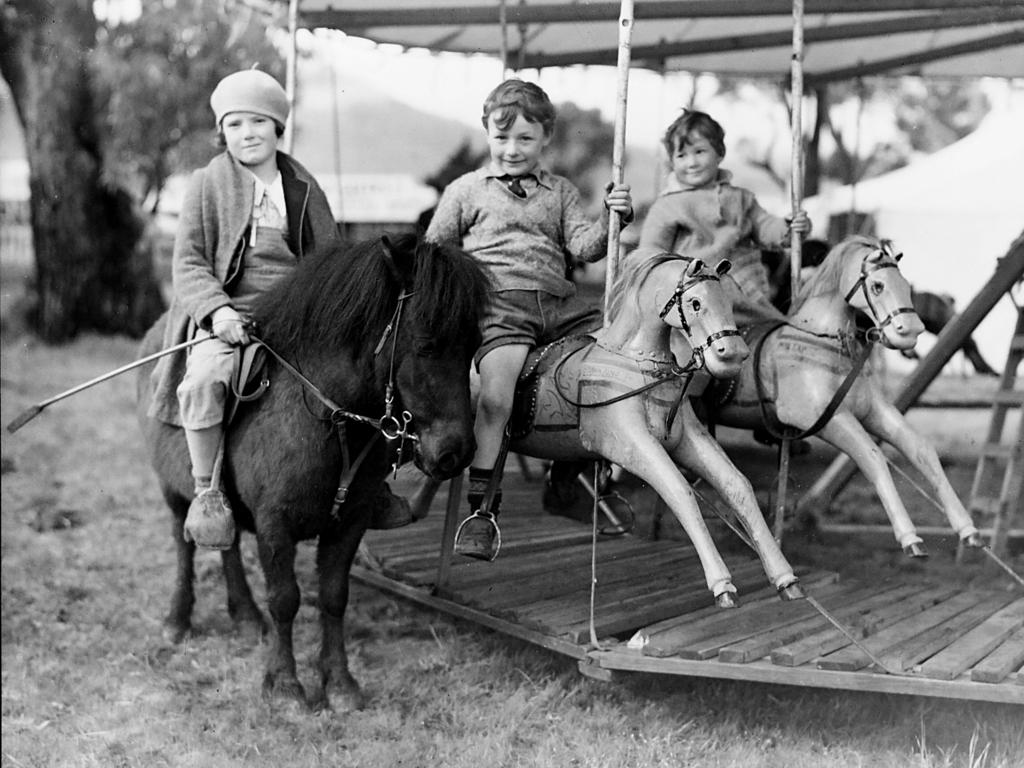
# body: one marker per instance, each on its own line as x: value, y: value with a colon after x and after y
x: 799, y: 223
x: 229, y: 326
x: 618, y: 199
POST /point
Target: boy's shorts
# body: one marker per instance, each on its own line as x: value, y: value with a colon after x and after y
x: 533, y: 318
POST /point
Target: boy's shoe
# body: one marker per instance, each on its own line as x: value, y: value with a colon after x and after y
x: 210, y: 522
x: 478, y: 536
x: 389, y: 510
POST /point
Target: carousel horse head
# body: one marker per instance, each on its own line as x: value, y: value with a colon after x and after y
x: 865, y: 272
x: 698, y: 309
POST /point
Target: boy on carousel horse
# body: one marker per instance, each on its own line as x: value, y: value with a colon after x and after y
x: 520, y: 221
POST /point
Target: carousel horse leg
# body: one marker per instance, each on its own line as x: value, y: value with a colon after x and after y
x: 845, y: 432
x: 886, y: 422
x: 700, y: 452
x: 635, y: 450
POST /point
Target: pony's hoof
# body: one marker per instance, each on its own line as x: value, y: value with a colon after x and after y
x: 284, y: 688
x: 726, y: 600
x: 792, y: 591
x: 916, y: 549
x: 973, y: 540
x: 176, y: 634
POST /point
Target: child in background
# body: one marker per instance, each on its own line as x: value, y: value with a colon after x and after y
x: 520, y: 221
x: 701, y: 211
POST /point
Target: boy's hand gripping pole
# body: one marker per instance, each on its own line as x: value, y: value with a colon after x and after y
x: 36, y: 409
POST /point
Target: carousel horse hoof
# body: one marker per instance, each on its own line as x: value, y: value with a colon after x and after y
x: 974, y: 541
x: 390, y: 511
x: 726, y: 600
x: 478, y: 537
x: 916, y: 549
x: 210, y: 522
x: 792, y: 591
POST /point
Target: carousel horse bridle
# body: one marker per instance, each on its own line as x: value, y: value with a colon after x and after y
x: 891, y: 261
x: 686, y: 282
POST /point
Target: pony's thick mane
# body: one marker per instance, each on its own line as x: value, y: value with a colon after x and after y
x: 347, y: 297
x: 826, y: 276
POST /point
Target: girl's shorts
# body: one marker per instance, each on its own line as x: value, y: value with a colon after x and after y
x: 533, y: 318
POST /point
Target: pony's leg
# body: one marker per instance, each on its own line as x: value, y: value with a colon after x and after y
x: 244, y: 613
x: 701, y: 453
x: 178, y: 622
x: 885, y: 421
x: 334, y: 556
x: 277, y: 557
x: 625, y: 441
x: 845, y: 432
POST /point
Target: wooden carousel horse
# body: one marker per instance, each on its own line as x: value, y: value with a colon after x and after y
x: 806, y: 377
x: 621, y: 396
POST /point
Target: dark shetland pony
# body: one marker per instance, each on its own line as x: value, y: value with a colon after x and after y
x: 283, y: 457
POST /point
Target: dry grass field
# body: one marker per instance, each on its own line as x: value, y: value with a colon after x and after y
x: 88, y: 681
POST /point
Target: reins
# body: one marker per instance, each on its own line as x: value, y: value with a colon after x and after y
x: 675, y: 372
x: 388, y: 426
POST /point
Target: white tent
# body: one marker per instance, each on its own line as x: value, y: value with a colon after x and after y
x: 952, y: 214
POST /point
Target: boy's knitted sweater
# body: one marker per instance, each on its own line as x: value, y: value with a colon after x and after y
x: 522, y: 241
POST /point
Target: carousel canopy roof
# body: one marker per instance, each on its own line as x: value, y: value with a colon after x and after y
x: 842, y: 38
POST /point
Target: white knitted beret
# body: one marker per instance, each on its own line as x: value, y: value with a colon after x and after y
x: 250, y: 91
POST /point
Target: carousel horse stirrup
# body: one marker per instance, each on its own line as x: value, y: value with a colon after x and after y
x: 478, y: 536
x: 210, y: 522
x: 389, y: 510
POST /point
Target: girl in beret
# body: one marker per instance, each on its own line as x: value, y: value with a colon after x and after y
x: 248, y: 217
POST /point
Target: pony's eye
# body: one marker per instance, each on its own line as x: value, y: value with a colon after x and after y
x: 427, y: 345
x: 695, y: 305
x: 877, y: 286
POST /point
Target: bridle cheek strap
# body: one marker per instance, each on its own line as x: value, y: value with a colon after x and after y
x: 861, y: 284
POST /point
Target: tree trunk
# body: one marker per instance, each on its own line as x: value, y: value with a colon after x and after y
x: 92, y: 272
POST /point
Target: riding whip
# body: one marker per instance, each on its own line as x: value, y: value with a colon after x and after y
x: 36, y: 409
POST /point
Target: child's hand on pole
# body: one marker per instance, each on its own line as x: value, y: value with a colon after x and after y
x: 800, y: 223
x: 618, y: 199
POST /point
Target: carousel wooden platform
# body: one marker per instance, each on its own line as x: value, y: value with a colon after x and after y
x: 653, y: 613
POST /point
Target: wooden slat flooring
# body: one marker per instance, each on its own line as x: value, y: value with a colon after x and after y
x: 653, y: 612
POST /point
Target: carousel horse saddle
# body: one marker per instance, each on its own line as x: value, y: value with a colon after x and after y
x: 539, y: 362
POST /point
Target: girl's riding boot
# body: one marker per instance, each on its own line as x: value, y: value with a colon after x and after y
x: 210, y: 521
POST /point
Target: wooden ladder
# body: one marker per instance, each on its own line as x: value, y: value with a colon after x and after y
x: 1007, y: 509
